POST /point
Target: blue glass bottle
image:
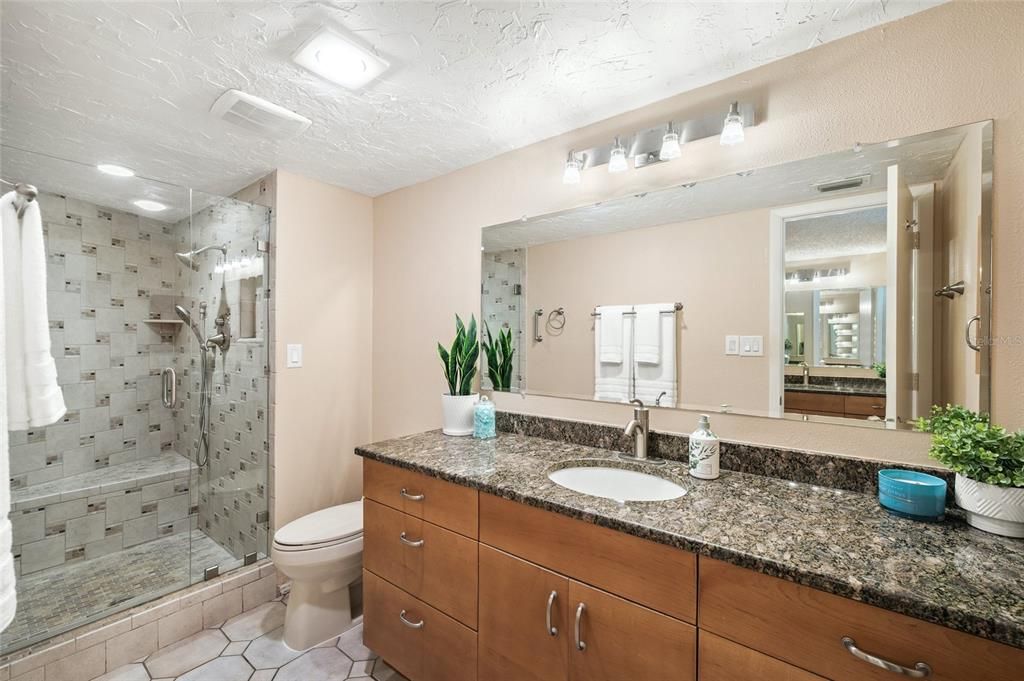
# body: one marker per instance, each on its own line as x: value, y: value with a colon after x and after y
x: 483, y: 419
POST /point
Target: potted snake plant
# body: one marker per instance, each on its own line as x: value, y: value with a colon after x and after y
x: 989, y: 466
x: 499, y: 358
x: 459, y: 363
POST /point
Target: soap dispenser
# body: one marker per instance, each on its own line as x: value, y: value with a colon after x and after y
x: 704, y: 451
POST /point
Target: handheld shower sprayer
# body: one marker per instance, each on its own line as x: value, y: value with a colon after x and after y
x: 184, y: 316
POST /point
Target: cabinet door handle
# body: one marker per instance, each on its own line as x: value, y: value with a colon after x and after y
x: 411, y: 497
x: 920, y: 670
x: 408, y: 623
x: 580, y: 609
x: 415, y: 543
x: 552, y: 630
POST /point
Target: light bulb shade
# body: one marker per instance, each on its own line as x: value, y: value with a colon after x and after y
x: 572, y: 172
x: 732, y: 131
x: 670, y: 148
x: 617, y: 163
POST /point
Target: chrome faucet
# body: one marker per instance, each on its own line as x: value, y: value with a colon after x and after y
x: 639, y: 429
x: 807, y: 373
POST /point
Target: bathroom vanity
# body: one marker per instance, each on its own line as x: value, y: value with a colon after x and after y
x: 478, y: 566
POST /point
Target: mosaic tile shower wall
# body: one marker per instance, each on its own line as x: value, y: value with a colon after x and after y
x: 232, y: 486
x: 502, y: 302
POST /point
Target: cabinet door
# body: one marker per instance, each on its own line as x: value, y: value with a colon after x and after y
x: 622, y: 640
x: 515, y: 643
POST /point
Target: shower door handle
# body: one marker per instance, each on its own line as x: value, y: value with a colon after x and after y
x: 169, y: 387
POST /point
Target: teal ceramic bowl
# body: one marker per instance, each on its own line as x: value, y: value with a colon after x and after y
x: 910, y: 494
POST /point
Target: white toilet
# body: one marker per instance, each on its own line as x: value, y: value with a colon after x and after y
x: 322, y: 553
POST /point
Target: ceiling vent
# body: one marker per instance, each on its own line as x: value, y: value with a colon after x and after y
x: 258, y: 115
x: 845, y: 183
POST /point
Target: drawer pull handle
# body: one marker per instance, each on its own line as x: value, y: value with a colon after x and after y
x: 580, y: 643
x: 411, y: 497
x: 552, y: 630
x: 920, y: 670
x: 406, y: 622
x: 415, y: 543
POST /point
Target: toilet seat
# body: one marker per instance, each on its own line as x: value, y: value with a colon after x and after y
x: 328, y: 527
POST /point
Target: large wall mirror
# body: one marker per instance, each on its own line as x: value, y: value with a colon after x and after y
x: 852, y: 288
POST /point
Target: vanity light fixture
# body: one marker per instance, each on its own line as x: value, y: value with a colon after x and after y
x: 115, y: 170
x: 339, y: 60
x: 732, y: 129
x: 572, y: 169
x: 617, y: 161
x: 151, y: 206
x: 670, y: 145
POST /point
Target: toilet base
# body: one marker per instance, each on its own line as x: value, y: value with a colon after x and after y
x: 317, y: 612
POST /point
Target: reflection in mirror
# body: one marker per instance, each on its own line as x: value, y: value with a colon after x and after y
x: 822, y: 289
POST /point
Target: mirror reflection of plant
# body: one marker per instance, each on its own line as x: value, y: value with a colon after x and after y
x: 459, y: 361
x: 970, y: 445
x: 499, y: 358
x: 879, y: 368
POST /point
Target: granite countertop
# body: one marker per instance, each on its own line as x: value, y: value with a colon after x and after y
x: 833, y: 390
x: 834, y: 540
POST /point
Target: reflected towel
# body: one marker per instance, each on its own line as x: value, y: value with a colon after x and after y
x: 613, y: 382
x: 610, y: 333
x: 649, y: 332
x: 654, y: 379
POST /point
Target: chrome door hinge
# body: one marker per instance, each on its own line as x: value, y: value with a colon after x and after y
x: 263, y: 517
x: 249, y: 558
x: 262, y: 246
x: 211, y: 572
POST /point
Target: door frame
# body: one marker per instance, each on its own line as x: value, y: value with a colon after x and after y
x: 777, y: 271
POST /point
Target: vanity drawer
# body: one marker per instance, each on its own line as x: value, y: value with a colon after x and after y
x: 414, y: 638
x: 814, y: 402
x: 865, y: 405
x: 451, y: 506
x: 805, y: 627
x: 434, y: 564
x: 658, y: 576
x: 722, y: 660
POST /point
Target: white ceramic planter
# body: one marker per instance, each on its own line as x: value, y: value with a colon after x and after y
x: 995, y: 509
x: 458, y: 413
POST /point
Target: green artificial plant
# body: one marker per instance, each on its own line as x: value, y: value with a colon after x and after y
x: 879, y: 368
x: 459, y: 361
x: 499, y: 358
x: 970, y: 445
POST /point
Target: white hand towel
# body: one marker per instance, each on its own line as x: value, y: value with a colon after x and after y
x: 654, y: 379
x: 34, y: 398
x: 614, y: 382
x: 8, y: 599
x: 648, y: 331
x: 610, y: 333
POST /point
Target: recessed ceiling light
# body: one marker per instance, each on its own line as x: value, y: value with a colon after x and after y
x: 152, y: 206
x: 339, y: 60
x: 115, y: 170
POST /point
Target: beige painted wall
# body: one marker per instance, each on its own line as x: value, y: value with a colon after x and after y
x: 955, y: 64
x: 324, y: 300
x: 717, y: 267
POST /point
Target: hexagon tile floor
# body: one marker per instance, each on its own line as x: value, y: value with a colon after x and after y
x: 249, y: 648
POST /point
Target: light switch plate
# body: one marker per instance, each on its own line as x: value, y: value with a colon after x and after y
x: 294, y: 352
x: 751, y: 346
x: 732, y: 345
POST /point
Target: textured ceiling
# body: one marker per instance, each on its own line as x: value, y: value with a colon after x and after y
x: 922, y: 158
x: 133, y: 82
x: 858, y: 232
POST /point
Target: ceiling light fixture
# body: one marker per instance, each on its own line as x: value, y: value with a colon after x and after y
x: 151, y: 206
x: 339, y: 60
x: 670, y: 145
x: 617, y: 161
x: 573, y: 166
x: 115, y: 170
x: 732, y: 130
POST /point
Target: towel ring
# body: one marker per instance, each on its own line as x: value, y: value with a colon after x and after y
x: 556, y: 319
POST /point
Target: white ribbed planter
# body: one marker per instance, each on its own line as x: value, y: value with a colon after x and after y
x: 458, y: 413
x: 995, y: 509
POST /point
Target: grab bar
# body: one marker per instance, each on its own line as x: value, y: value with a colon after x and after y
x: 536, y: 325
x: 169, y: 387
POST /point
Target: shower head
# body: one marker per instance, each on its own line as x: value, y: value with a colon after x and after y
x: 188, y: 258
x: 187, y: 318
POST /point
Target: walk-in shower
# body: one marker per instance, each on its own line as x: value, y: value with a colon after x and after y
x: 140, y: 490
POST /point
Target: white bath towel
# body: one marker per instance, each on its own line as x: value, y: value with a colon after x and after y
x: 609, y: 331
x: 614, y: 382
x: 33, y: 396
x: 29, y: 394
x: 654, y: 379
x: 649, y: 331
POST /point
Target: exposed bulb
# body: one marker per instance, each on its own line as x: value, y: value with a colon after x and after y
x: 572, y: 170
x: 617, y: 163
x: 732, y: 130
x: 670, y: 148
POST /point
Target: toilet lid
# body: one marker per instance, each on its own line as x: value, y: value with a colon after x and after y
x: 328, y: 525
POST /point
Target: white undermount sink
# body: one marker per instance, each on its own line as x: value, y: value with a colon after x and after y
x: 616, y: 483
